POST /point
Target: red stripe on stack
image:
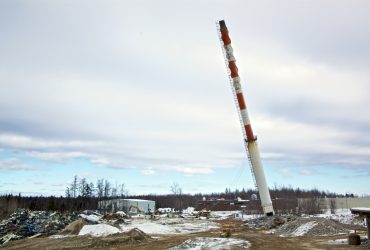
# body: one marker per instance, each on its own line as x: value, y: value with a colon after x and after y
x: 225, y: 37
x: 233, y: 69
x: 249, y: 132
x: 234, y: 73
x: 241, y: 101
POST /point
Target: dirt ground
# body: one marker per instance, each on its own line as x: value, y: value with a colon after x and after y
x: 258, y: 238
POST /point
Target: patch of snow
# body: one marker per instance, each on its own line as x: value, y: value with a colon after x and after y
x: 138, y: 216
x: 170, y: 226
x: 121, y: 213
x: 91, y: 218
x: 165, y: 210
x: 341, y: 215
x: 344, y: 241
x: 303, y: 229
x: 338, y: 241
x: 220, y: 215
x: 199, y: 243
x: 99, y: 230
x: 189, y: 210
x: 149, y: 228
x: 60, y: 236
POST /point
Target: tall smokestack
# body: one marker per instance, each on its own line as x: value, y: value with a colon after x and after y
x: 249, y: 138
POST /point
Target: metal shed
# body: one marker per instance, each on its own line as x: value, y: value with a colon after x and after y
x: 129, y: 206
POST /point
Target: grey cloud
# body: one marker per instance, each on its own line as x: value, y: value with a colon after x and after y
x: 13, y: 164
x: 117, y: 85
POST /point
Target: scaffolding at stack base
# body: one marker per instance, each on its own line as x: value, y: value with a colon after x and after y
x: 250, y: 141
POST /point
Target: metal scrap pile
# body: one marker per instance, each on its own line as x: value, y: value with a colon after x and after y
x: 269, y: 222
x: 294, y: 226
x: 24, y: 223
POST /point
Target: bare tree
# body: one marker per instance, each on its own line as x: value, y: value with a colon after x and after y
x: 123, y: 190
x: 92, y: 189
x: 107, y: 188
x: 100, y: 188
x: 310, y: 206
x: 82, y: 187
x: 332, y: 205
x: 68, y: 192
x: 74, y: 187
x: 177, y: 191
x: 114, y: 191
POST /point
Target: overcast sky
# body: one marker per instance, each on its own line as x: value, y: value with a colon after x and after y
x: 137, y: 92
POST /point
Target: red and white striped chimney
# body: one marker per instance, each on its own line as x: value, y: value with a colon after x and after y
x: 236, y: 80
x: 250, y: 139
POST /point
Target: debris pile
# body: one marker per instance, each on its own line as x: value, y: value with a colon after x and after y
x: 24, y: 223
x: 213, y: 243
x: 136, y: 234
x: 366, y: 244
x: 269, y: 222
x: 74, y: 227
x: 293, y: 226
x: 313, y: 227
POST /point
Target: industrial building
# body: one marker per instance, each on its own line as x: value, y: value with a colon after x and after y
x: 129, y: 206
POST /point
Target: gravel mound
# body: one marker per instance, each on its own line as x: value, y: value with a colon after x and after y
x: 136, y: 234
x: 74, y: 227
x: 269, y: 222
x: 366, y: 244
x: 294, y: 226
x: 312, y: 227
x: 212, y: 243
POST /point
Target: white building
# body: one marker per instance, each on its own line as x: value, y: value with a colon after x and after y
x: 129, y: 206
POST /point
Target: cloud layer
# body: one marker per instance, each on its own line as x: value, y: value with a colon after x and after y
x: 142, y: 85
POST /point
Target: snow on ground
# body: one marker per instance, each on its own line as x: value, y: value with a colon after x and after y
x: 99, y: 230
x: 186, y: 225
x: 338, y: 241
x: 170, y: 226
x: 60, y: 236
x: 91, y: 218
x: 341, y: 215
x: 189, y: 210
x: 344, y: 241
x: 199, y: 243
x: 303, y: 229
x: 220, y: 215
x: 121, y: 213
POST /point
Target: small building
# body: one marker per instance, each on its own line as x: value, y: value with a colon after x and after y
x: 129, y: 206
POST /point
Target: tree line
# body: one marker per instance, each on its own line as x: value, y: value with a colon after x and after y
x: 103, y: 188
x: 81, y: 195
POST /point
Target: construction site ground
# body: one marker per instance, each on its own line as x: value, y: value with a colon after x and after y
x: 259, y: 239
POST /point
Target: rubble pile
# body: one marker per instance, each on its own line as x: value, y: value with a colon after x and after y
x: 366, y: 244
x: 136, y: 234
x: 293, y: 226
x: 115, y: 216
x: 266, y: 222
x: 24, y: 223
x: 213, y: 243
x: 74, y: 227
x: 314, y: 227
